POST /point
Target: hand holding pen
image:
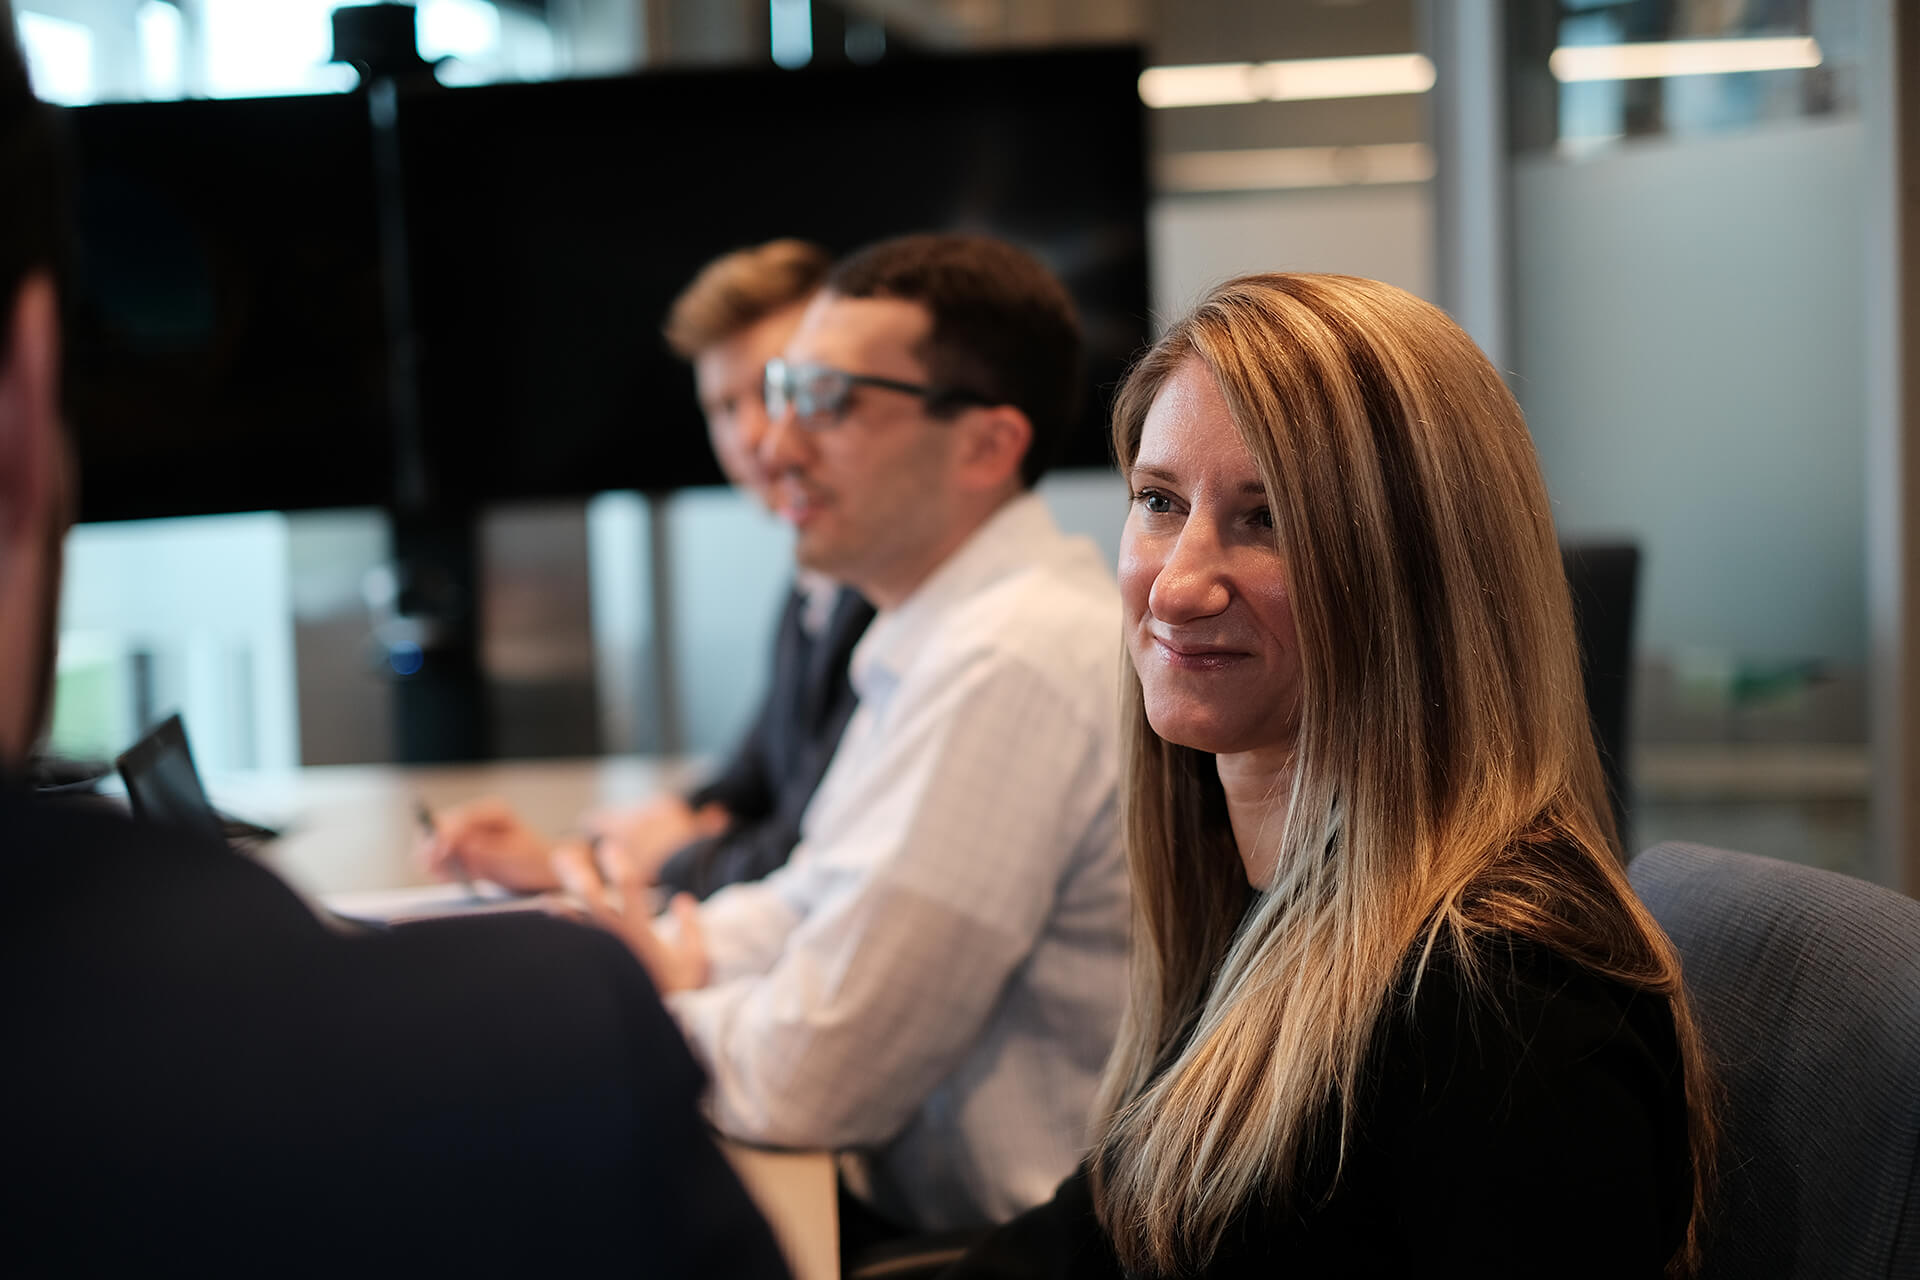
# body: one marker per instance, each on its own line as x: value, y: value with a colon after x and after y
x: 486, y: 840
x: 451, y: 861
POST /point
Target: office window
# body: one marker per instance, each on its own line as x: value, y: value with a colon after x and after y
x: 476, y: 42
x: 59, y: 57
x: 1689, y: 329
x: 1588, y: 74
x: 187, y: 615
x: 163, y: 50
x: 254, y: 49
x: 83, y: 51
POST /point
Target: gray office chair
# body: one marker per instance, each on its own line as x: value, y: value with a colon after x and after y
x: 1807, y: 988
x: 1604, y: 581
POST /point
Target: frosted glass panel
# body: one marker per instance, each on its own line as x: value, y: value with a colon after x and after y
x: 1385, y: 233
x: 188, y: 615
x: 618, y: 549
x: 1690, y: 338
x: 729, y: 566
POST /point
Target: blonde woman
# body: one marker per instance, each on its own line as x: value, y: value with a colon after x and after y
x: 1394, y: 1007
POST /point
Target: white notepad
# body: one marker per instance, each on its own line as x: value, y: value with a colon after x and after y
x: 435, y: 902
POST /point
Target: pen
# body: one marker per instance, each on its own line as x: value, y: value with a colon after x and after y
x: 424, y: 816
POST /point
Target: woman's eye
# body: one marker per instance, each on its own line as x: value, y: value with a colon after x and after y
x: 1154, y: 501
x: 1264, y: 517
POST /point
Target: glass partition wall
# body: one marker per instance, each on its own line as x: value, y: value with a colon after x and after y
x: 1687, y: 339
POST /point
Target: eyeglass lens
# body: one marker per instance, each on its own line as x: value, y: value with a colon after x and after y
x: 811, y: 391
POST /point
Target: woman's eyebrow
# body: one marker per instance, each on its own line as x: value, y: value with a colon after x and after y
x: 1253, y: 488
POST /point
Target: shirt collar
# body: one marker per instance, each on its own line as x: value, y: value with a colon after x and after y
x: 818, y: 596
x: 1006, y: 541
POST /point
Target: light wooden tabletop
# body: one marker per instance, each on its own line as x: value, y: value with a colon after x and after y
x: 350, y: 828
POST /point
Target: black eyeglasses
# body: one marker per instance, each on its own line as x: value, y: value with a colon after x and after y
x: 818, y: 393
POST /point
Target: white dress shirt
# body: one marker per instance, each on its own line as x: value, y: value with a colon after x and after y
x: 933, y: 981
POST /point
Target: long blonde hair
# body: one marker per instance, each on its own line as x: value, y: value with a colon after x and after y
x: 1445, y: 787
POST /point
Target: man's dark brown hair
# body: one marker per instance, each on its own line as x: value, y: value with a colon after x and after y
x: 1004, y: 327
x: 738, y: 290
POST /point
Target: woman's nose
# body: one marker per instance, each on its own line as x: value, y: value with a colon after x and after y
x: 1192, y: 579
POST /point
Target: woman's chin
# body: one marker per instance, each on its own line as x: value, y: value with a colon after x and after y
x: 1201, y: 733
x: 1221, y: 735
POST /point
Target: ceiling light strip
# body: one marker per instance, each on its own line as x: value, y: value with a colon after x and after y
x: 1293, y: 80
x: 1660, y: 59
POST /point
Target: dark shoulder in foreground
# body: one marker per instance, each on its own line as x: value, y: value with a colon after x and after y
x: 1534, y: 1125
x: 201, y: 1076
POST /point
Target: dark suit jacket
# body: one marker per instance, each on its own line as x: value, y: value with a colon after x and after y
x: 200, y: 1077
x: 772, y: 775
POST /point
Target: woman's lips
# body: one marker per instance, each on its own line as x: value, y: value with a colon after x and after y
x: 1188, y: 656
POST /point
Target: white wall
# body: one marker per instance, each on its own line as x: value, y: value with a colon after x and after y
x: 1689, y: 335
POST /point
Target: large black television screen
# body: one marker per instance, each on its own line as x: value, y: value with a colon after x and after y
x: 230, y: 341
x: 227, y: 348
x: 550, y: 226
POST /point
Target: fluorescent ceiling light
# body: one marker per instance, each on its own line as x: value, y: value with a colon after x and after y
x: 1217, y: 84
x: 1293, y: 80
x: 1654, y: 60
x: 1307, y: 78
x: 1288, y: 168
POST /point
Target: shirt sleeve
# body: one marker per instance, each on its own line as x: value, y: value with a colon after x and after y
x: 745, y: 928
x: 917, y: 893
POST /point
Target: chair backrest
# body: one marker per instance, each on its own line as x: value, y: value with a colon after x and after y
x: 1806, y: 985
x: 1604, y: 580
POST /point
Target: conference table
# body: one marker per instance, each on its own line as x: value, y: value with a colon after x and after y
x: 349, y: 831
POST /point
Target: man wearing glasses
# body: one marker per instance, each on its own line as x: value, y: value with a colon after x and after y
x: 739, y: 311
x: 932, y: 983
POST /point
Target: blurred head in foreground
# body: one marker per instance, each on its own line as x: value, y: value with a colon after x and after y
x: 35, y: 472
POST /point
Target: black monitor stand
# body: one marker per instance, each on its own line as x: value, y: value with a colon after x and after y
x: 426, y: 620
x: 431, y: 635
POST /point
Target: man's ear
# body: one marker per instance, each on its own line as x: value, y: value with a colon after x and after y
x: 29, y: 407
x: 997, y: 438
